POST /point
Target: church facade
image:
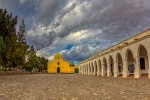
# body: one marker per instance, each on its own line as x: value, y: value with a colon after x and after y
x: 61, y: 66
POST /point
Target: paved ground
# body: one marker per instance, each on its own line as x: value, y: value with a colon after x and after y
x: 72, y: 87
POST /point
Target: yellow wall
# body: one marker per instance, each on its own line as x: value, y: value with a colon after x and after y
x: 60, y: 63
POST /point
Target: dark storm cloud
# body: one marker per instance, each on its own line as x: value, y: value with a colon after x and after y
x: 14, y: 6
x: 117, y: 19
x: 25, y: 10
x: 48, y: 9
x: 73, y: 54
x: 122, y: 14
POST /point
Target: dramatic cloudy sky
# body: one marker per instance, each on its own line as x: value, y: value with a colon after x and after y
x: 79, y: 28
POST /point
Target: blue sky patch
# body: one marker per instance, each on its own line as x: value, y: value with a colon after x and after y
x: 68, y: 47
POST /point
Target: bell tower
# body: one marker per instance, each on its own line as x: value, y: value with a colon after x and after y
x: 58, y: 57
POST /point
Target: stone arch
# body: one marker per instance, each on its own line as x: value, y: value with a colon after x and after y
x: 86, y: 69
x: 105, y: 66
x: 95, y: 67
x: 81, y: 69
x: 89, y: 69
x: 92, y: 68
x: 99, y: 67
x: 130, y: 62
x: 119, y: 64
x: 143, y: 59
x: 111, y: 62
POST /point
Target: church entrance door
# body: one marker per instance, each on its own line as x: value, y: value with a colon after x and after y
x: 76, y: 70
x: 58, y: 69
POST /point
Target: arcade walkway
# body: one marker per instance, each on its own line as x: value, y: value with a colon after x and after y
x: 72, y: 87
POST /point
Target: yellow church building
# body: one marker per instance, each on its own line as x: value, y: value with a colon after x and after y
x: 61, y: 66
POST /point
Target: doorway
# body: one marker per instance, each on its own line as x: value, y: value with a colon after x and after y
x: 58, y: 69
x: 142, y: 63
x: 76, y: 70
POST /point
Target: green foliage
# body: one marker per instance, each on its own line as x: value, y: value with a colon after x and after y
x: 35, y: 62
x: 42, y: 64
x: 8, y: 33
x: 14, y: 52
x: 21, y: 46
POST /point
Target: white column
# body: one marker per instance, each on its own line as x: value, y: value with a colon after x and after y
x: 88, y: 70
x: 103, y: 70
x: 137, y: 72
x: 125, y: 68
x: 94, y: 70
x: 115, y: 68
x: 98, y: 70
x: 149, y: 65
x: 91, y: 72
x: 108, y: 70
x: 84, y: 70
x: 81, y: 70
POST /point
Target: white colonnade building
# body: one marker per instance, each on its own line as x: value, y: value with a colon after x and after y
x: 130, y: 57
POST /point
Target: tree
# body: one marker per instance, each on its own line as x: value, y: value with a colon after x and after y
x: 8, y: 33
x: 31, y: 59
x: 14, y: 51
x: 42, y: 64
x: 21, y: 46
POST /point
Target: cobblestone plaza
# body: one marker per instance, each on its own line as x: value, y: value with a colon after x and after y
x: 72, y: 87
